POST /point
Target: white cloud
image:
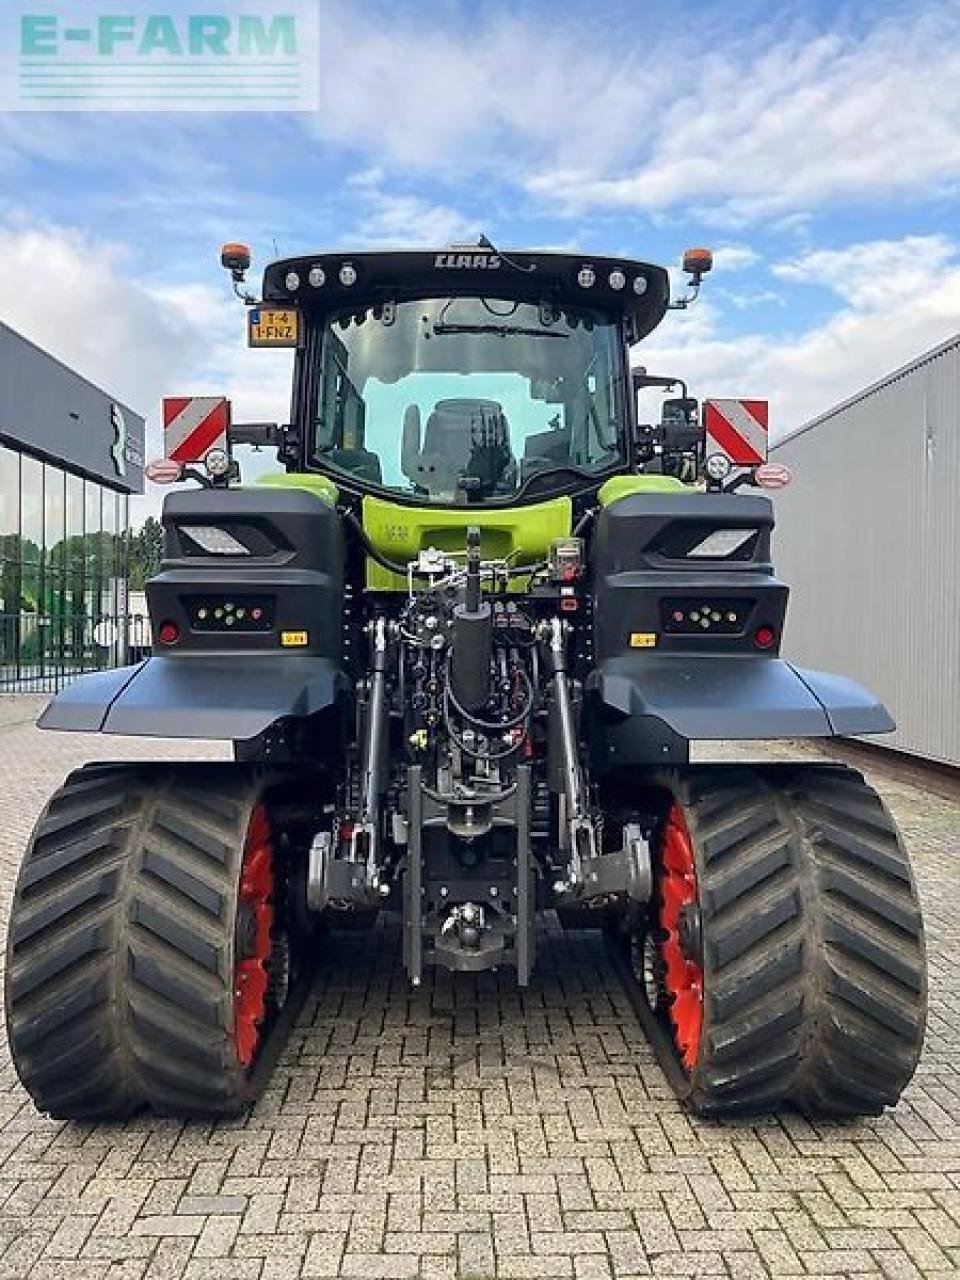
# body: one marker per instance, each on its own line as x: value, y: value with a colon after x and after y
x: 867, y: 275
x: 490, y: 92
x: 900, y: 298
x: 407, y: 221
x: 744, y: 298
x: 774, y: 121
x: 83, y: 300
x: 734, y: 257
x: 799, y: 123
x: 80, y: 299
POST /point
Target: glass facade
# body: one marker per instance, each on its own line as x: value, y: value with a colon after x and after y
x: 63, y: 542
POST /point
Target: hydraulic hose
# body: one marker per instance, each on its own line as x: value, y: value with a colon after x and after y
x: 585, y: 519
x: 525, y: 570
x: 458, y: 742
x: 489, y: 726
x: 385, y: 563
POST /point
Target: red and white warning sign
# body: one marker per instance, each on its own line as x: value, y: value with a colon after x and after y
x: 193, y: 425
x: 738, y: 430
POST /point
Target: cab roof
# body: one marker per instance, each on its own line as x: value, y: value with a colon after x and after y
x: 377, y: 276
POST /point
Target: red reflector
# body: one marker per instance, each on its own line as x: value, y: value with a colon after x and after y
x: 764, y: 637
x: 163, y: 471
x: 772, y: 475
x: 169, y: 633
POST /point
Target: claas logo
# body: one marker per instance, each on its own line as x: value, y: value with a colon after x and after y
x: 467, y: 261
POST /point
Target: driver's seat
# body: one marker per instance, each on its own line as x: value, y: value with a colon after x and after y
x: 453, y: 431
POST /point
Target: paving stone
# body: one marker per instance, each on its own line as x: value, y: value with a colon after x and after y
x: 212, y: 1204
x: 475, y: 1255
x: 524, y: 1266
x: 380, y: 1266
x: 217, y: 1237
x: 592, y: 1267
x: 470, y: 1131
x: 324, y: 1253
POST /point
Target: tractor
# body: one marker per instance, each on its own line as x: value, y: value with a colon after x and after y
x: 461, y: 640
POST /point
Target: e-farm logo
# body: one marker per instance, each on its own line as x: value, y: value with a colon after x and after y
x: 237, y: 55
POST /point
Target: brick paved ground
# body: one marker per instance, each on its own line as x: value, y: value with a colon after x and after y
x: 472, y: 1131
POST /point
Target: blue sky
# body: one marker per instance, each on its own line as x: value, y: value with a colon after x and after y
x: 815, y: 146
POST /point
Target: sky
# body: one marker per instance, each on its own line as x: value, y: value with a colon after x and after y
x: 814, y: 146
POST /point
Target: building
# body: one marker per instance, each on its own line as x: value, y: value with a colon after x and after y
x: 868, y: 536
x: 70, y: 456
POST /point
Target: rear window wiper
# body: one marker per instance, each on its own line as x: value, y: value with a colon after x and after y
x: 500, y: 330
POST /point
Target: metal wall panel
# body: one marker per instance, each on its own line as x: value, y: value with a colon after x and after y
x: 868, y: 537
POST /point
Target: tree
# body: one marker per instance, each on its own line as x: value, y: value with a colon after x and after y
x: 146, y: 552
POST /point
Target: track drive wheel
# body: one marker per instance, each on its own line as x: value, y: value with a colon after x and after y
x: 148, y: 950
x: 783, y: 961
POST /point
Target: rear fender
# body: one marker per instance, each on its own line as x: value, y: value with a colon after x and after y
x: 650, y: 707
x: 233, y: 698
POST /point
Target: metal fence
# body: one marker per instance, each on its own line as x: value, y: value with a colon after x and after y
x: 40, y: 653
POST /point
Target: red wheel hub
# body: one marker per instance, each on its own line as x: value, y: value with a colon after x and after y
x: 683, y: 975
x: 250, y: 976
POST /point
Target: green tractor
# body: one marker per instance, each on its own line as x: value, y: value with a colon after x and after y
x: 461, y: 646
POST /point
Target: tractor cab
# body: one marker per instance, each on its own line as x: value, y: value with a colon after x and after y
x: 464, y: 377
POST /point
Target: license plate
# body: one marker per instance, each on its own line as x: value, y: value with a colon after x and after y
x: 274, y: 327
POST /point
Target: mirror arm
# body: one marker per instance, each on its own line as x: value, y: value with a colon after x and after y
x: 643, y: 379
x: 259, y: 434
x: 285, y: 438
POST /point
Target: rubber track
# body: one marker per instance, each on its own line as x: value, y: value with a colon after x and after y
x: 120, y: 952
x: 814, y: 966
